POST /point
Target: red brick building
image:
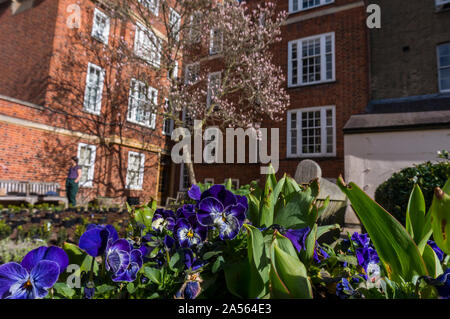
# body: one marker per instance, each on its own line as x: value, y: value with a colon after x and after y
x: 53, y: 67
x: 63, y: 92
x: 324, y: 54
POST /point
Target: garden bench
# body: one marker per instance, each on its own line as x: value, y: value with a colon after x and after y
x: 30, y: 192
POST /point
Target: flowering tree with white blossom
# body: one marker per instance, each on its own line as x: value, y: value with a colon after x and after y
x: 208, y: 60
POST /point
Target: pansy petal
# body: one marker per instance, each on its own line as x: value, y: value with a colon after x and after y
x: 112, y: 232
x: 168, y: 213
x: 121, y: 244
x: 242, y: 200
x: 229, y: 228
x: 33, y: 257
x: 94, y: 241
x: 169, y: 242
x: 211, y: 204
x: 57, y: 255
x: 136, y: 257
x: 195, y: 193
x: 201, y: 231
x: 187, y: 211
x: 11, y: 273
x: 92, y: 226
x: 44, y: 275
x: 117, y: 260
x: 237, y: 211
x: 129, y: 275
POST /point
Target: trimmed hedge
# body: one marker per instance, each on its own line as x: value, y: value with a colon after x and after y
x: 394, y: 193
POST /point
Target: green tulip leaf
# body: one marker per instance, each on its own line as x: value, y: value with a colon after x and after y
x: 398, y: 252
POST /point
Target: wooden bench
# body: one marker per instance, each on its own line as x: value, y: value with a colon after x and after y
x: 30, y: 192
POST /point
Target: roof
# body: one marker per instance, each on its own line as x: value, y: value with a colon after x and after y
x: 408, y: 113
x: 383, y: 122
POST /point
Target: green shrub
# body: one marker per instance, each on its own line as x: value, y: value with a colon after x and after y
x: 394, y: 193
x: 5, y: 230
x: 12, y: 250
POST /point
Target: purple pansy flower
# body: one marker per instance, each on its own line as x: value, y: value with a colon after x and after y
x: 344, y: 289
x: 123, y: 261
x: 186, y: 211
x: 362, y: 240
x: 38, y: 272
x: 191, y: 262
x: 219, y: 207
x: 297, y: 237
x: 195, y: 192
x: 444, y: 288
x: 365, y: 252
x: 163, y: 219
x: 96, y: 238
x: 189, y: 233
x: 437, y: 250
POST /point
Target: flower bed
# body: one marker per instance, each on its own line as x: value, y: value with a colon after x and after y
x: 260, y: 243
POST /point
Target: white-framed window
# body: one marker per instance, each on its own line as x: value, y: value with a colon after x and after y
x: 168, y: 123
x: 175, y: 22
x: 444, y: 67
x: 174, y: 72
x: 311, y: 60
x: 311, y: 132
x: 194, y: 29
x: 86, y: 160
x: 184, y: 178
x: 135, y: 170
x: 152, y: 5
x: 216, y: 41
x: 100, y: 26
x: 209, y: 181
x: 142, y: 104
x: 214, y: 81
x: 300, y: 5
x: 94, y: 89
x: 192, y: 73
x: 147, y: 45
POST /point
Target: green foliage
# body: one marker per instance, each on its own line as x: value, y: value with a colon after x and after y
x: 394, y: 193
x: 15, y: 250
x: 398, y: 252
x: 5, y: 229
x: 440, y: 217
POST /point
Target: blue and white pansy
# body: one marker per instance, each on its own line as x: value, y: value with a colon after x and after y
x: 189, y: 233
x: 123, y: 261
x: 163, y: 219
x: 220, y: 208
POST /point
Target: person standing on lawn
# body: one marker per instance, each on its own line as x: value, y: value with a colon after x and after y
x: 73, y: 178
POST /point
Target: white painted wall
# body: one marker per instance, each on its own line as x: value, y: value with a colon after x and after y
x: 371, y: 158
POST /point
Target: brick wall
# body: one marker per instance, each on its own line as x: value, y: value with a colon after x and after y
x: 25, y: 51
x: 403, y: 50
x: 29, y: 153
